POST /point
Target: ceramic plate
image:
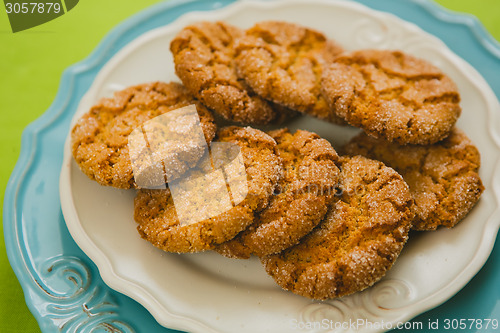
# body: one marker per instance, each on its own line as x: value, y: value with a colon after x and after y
x: 206, y: 292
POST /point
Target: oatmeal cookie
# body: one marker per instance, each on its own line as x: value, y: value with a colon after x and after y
x: 158, y: 217
x: 283, y: 62
x: 392, y: 95
x: 353, y: 247
x: 299, y: 204
x: 100, y: 138
x: 443, y: 177
x: 204, y: 61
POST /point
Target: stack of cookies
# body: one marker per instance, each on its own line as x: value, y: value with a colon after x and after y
x: 323, y: 225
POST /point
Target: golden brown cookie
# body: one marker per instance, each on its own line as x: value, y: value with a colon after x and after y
x: 443, y: 177
x: 392, y: 95
x: 100, y: 138
x: 283, y: 61
x: 158, y: 219
x: 358, y: 241
x: 299, y: 204
x: 204, y: 61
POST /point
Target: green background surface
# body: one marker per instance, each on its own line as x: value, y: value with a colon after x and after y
x: 31, y: 64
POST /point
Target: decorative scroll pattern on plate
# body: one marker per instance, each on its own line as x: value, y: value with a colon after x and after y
x: 371, y: 304
x: 78, y: 303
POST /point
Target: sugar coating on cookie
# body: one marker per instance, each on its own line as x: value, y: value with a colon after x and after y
x: 204, y: 61
x: 443, y: 177
x: 99, y: 139
x: 156, y: 213
x: 283, y: 62
x: 308, y: 184
x: 392, y: 95
x: 359, y: 240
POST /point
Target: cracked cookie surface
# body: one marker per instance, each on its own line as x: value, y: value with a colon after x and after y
x: 158, y: 219
x: 363, y: 233
x: 283, y: 62
x: 443, y: 177
x: 308, y: 184
x: 204, y: 61
x: 100, y: 137
x: 392, y: 95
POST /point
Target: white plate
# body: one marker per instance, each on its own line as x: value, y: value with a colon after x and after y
x: 208, y: 293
